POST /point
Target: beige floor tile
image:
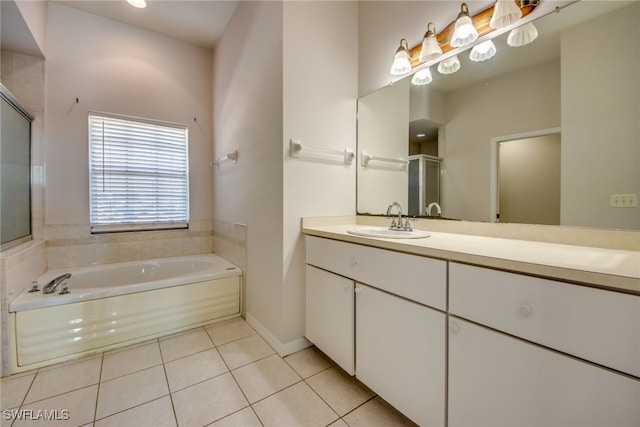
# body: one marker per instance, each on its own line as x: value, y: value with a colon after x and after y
x: 190, y: 370
x: 64, y: 378
x: 231, y: 330
x: 184, y: 344
x: 131, y: 390
x: 126, y: 361
x: 341, y: 391
x: 309, y: 362
x: 14, y: 389
x: 208, y: 401
x: 69, y: 409
x: 297, y: 405
x: 376, y: 412
x: 265, y: 377
x: 243, y: 418
x: 157, y: 413
x: 245, y: 351
x: 338, y: 423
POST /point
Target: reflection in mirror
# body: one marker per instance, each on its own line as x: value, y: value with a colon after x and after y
x: 551, y: 85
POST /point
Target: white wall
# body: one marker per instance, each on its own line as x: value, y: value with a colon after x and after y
x: 281, y: 71
x: 34, y: 13
x: 247, y: 98
x: 602, y: 89
x: 320, y: 92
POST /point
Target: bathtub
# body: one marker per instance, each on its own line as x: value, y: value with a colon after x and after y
x: 113, y: 305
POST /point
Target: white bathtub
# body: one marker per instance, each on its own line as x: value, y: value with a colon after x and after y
x: 117, y: 304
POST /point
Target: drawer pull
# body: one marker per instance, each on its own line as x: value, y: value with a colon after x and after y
x: 454, y: 328
x: 358, y: 290
x: 525, y: 310
x: 354, y: 262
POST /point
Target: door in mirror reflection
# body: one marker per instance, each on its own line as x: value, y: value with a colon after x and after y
x: 529, y: 180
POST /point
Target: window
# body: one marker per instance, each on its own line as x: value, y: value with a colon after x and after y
x: 139, y: 174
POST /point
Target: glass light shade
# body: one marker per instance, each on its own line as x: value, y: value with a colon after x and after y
x: 430, y: 46
x: 483, y: 51
x: 522, y: 35
x: 401, y: 63
x: 505, y: 13
x: 464, y: 32
x: 422, y: 77
x: 449, y: 65
x: 140, y: 4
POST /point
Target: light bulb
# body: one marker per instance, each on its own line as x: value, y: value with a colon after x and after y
x: 401, y: 63
x: 465, y: 32
x: 430, y: 47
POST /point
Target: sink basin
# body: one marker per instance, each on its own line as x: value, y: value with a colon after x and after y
x: 385, y: 233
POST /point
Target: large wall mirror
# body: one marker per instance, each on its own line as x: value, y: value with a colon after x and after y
x: 547, y: 133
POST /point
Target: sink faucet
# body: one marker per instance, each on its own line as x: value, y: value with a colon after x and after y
x: 50, y: 287
x: 399, y: 226
x: 437, y: 206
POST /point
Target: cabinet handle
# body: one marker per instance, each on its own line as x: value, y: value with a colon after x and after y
x: 358, y: 290
x: 354, y: 262
x: 525, y: 310
x: 454, y: 328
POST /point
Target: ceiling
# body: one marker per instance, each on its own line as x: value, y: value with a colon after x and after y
x: 199, y: 22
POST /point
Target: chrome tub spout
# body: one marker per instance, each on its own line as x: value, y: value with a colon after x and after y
x: 51, y: 287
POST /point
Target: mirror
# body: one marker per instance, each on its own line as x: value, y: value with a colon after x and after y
x: 577, y: 82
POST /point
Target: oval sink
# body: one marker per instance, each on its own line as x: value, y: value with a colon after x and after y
x: 385, y: 233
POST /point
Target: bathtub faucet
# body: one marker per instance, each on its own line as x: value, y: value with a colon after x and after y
x: 50, y: 287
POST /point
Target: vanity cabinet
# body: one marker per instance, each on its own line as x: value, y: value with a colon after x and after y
x: 400, y: 353
x: 556, y: 353
x: 498, y: 380
x: 380, y: 314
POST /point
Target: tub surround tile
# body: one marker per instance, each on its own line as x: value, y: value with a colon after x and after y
x: 230, y: 330
x: 131, y: 390
x: 297, y: 405
x: 244, y: 351
x: 185, y: 344
x: 309, y: 362
x: 157, y: 413
x: 61, y: 379
x: 341, y: 391
x: 79, y: 406
x: 118, y: 363
x: 265, y: 377
x: 190, y: 370
x: 208, y: 401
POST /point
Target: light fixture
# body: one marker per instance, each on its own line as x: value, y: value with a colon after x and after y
x: 140, y: 4
x: 430, y: 47
x: 401, y: 64
x: 522, y: 35
x: 483, y: 51
x: 449, y: 65
x: 465, y: 32
x: 422, y: 77
x: 505, y: 13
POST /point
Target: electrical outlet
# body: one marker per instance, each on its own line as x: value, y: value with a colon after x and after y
x: 624, y: 200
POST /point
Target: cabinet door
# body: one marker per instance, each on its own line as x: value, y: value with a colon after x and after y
x: 498, y: 380
x: 400, y: 353
x: 329, y: 316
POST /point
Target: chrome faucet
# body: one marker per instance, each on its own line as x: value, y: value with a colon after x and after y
x: 50, y: 287
x: 399, y: 226
x: 431, y: 206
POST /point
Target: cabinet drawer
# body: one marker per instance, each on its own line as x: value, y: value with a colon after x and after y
x: 593, y: 324
x: 414, y: 277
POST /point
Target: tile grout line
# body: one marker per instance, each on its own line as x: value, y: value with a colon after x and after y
x: 166, y: 378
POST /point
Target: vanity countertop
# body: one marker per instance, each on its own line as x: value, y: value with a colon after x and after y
x: 614, y: 269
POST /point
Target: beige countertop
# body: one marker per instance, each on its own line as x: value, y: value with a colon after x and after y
x: 615, y: 269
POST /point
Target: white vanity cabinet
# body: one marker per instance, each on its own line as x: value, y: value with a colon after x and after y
x: 400, y: 353
x: 497, y: 380
x: 397, y: 321
x: 556, y: 353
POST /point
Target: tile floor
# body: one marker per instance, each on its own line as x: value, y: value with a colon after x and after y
x: 221, y: 375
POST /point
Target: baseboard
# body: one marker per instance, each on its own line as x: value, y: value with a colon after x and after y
x: 282, y: 349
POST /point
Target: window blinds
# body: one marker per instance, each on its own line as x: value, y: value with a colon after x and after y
x: 139, y: 174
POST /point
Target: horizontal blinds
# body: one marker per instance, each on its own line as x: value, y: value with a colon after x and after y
x: 138, y: 172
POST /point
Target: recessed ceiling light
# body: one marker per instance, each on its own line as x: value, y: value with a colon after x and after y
x: 421, y: 135
x: 140, y: 4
